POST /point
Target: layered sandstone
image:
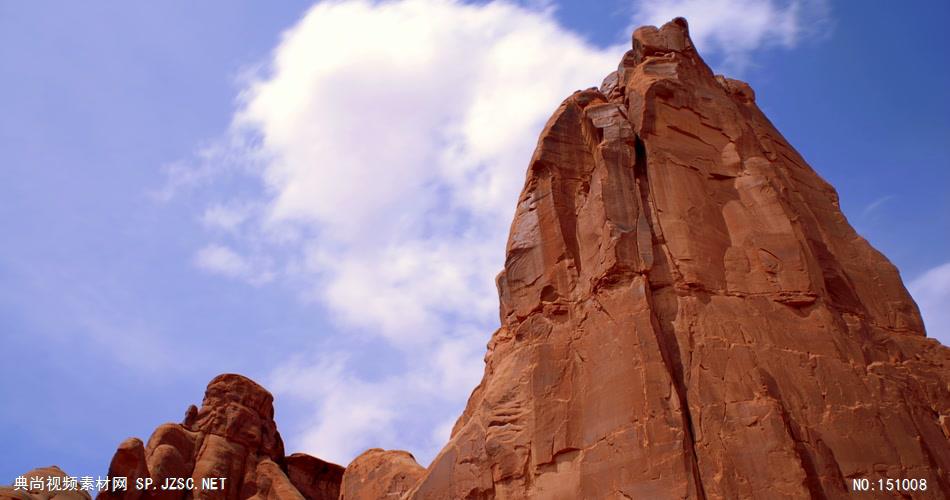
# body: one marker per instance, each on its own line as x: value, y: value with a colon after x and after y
x: 232, y: 436
x: 686, y: 313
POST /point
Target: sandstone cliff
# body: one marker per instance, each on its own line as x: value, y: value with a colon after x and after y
x: 686, y: 313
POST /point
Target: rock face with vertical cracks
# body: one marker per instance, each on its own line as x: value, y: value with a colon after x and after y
x: 232, y: 436
x: 686, y: 313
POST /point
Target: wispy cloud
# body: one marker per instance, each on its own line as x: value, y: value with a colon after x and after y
x: 410, y: 408
x: 227, y: 217
x: 126, y: 339
x: 94, y: 315
x: 931, y: 290
x: 230, y: 155
x: 874, y: 205
x: 220, y: 259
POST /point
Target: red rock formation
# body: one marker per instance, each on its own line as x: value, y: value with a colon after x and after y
x: 47, y: 492
x: 377, y: 474
x: 232, y: 436
x: 686, y: 313
x: 315, y: 478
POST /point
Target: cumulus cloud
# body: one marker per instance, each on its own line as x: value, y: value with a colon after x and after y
x: 735, y: 29
x: 393, y: 139
x: 931, y: 290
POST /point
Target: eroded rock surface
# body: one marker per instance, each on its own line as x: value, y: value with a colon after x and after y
x: 315, y: 479
x: 378, y: 474
x: 232, y: 436
x: 686, y: 313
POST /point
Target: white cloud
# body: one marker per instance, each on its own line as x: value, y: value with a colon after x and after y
x: 226, y: 217
x: 220, y: 259
x: 874, y: 205
x: 931, y: 290
x: 210, y: 163
x: 413, y: 408
x: 734, y: 29
x: 352, y: 415
x: 400, y: 133
x: 391, y: 140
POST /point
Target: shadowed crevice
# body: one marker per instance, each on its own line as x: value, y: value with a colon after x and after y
x: 663, y: 322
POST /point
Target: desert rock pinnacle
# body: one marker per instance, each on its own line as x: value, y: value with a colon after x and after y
x: 686, y: 313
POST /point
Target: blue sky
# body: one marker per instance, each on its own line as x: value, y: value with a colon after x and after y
x: 318, y: 196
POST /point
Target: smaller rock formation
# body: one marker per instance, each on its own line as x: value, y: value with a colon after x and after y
x: 44, y: 493
x: 379, y: 474
x: 314, y: 478
x: 233, y: 435
x: 273, y: 484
